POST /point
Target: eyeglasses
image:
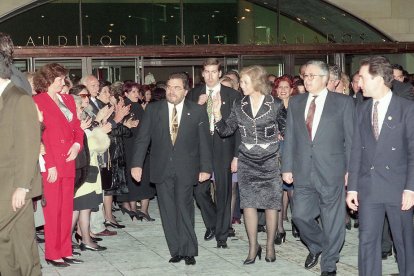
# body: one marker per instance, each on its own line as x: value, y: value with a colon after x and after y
x: 84, y: 95
x: 174, y: 88
x: 311, y: 76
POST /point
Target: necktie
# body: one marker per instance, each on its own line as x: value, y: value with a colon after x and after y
x: 375, y: 127
x: 310, y: 115
x: 174, y: 125
x: 210, y: 103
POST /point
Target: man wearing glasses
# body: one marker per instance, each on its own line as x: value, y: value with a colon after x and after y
x: 317, y: 147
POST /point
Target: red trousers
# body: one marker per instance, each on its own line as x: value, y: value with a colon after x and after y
x: 58, y: 217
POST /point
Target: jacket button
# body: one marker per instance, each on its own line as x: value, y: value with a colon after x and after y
x: 372, y: 167
x: 62, y: 141
x: 387, y: 167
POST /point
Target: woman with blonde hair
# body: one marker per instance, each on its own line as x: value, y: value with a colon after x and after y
x: 255, y: 115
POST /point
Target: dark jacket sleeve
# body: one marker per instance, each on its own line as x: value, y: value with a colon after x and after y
x: 356, y: 153
x: 143, y: 139
x: 206, y: 147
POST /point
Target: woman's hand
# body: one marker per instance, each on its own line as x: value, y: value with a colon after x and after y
x: 73, y: 152
x: 130, y: 123
x: 42, y: 149
x: 106, y: 128
x: 121, y: 111
x: 86, y: 123
x: 52, y: 175
x: 217, y: 107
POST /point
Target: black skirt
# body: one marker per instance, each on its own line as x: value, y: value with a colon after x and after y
x: 88, y: 201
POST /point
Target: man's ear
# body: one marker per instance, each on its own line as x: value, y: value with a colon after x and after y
x: 220, y: 73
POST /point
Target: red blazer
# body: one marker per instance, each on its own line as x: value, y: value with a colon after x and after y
x: 59, y: 134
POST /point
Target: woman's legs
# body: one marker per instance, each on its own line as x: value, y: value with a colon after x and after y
x: 108, y: 208
x: 84, y: 219
x: 285, y: 203
x: 271, y: 226
x: 250, y: 222
x: 144, y: 206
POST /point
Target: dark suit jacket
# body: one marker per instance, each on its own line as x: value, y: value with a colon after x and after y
x: 403, y: 89
x: 223, y: 148
x: 330, y: 149
x: 380, y: 170
x: 20, y: 144
x: 191, y: 153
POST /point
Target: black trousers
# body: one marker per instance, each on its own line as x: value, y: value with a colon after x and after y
x: 371, y: 221
x: 176, y: 204
x: 216, y: 215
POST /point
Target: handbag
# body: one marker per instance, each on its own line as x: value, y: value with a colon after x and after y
x: 92, y: 176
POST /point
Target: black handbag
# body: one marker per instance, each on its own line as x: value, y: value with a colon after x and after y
x: 92, y: 176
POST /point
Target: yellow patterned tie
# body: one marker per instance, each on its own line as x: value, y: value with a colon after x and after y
x: 174, y: 125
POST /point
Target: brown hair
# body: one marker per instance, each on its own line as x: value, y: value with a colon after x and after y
x: 379, y: 66
x: 258, y: 76
x: 212, y: 61
x: 181, y: 76
x: 46, y: 75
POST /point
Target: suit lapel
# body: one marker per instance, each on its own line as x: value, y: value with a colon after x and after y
x: 301, y: 115
x: 329, y: 107
x: 246, y: 107
x: 164, y: 120
x: 55, y: 109
x: 4, y: 94
x: 265, y: 107
x: 368, y: 122
x: 390, y: 119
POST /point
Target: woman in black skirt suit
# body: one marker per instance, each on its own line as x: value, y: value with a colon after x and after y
x: 142, y: 191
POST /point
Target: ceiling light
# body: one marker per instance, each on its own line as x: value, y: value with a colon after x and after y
x: 248, y: 10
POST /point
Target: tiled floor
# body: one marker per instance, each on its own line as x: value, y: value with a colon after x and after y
x: 140, y: 249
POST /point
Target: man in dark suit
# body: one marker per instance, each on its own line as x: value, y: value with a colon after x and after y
x: 20, y: 177
x: 225, y: 150
x: 180, y: 157
x: 315, y: 157
x: 381, y: 175
x: 92, y: 84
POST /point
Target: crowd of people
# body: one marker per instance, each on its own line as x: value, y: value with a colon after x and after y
x: 239, y: 144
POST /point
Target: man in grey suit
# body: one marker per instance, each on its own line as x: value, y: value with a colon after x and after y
x: 181, y: 156
x: 315, y: 157
x: 381, y: 175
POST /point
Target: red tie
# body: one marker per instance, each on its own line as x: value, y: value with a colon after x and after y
x: 310, y: 115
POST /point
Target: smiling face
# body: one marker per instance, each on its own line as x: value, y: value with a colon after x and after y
x: 104, y: 96
x: 284, y: 90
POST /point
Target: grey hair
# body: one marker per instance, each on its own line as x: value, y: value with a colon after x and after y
x: 322, y: 65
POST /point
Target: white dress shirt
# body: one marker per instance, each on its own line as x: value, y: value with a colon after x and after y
x: 382, y: 107
x: 319, y: 102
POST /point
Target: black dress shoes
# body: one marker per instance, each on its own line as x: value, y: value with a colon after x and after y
x: 190, y: 260
x: 312, y: 260
x: 210, y: 233
x: 221, y: 244
x: 328, y: 273
x: 72, y: 261
x: 176, y: 259
x: 356, y: 223
x: 57, y: 263
x: 231, y: 233
x: 261, y: 228
x: 385, y: 255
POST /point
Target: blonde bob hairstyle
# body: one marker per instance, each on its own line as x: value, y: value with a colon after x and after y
x: 258, y: 76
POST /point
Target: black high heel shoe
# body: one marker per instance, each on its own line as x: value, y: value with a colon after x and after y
x: 271, y: 259
x: 78, y: 238
x: 258, y: 254
x: 146, y: 217
x: 57, y: 263
x: 113, y: 224
x: 72, y: 260
x: 84, y: 247
x: 280, y: 237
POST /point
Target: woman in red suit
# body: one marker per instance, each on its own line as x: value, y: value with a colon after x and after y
x: 62, y: 138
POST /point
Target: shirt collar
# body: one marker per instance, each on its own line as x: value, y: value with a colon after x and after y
x: 385, y: 101
x: 321, y: 95
x: 215, y: 89
x: 3, y: 86
x: 178, y: 106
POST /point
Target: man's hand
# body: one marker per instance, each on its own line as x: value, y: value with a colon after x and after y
x: 202, y: 99
x: 136, y: 173
x: 352, y: 201
x: 18, y: 198
x: 407, y: 200
x: 287, y: 177
x: 106, y: 128
x: 233, y: 166
x: 73, y: 152
x: 217, y: 107
x: 52, y: 175
x: 203, y: 176
x: 130, y: 123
